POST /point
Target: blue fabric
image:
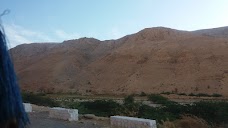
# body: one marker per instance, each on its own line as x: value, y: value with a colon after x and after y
x: 11, y: 107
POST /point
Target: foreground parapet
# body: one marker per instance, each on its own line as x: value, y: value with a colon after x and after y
x: 131, y: 122
x: 64, y: 114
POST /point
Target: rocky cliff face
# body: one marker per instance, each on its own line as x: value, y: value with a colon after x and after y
x: 153, y: 60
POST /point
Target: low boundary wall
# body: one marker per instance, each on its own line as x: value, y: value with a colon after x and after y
x: 28, y: 107
x: 64, y: 114
x: 131, y: 122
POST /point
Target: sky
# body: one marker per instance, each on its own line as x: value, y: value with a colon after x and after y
x: 58, y: 20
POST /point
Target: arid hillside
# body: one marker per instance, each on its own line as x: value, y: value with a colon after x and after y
x: 153, y: 60
x: 214, y: 32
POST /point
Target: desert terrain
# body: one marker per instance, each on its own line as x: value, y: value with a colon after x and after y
x: 153, y: 60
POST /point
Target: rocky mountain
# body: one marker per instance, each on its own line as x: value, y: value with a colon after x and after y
x: 153, y: 60
x: 214, y: 32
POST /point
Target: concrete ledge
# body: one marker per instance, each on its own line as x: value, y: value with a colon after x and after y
x: 131, y: 122
x: 36, y: 108
x: 64, y: 114
x: 28, y: 107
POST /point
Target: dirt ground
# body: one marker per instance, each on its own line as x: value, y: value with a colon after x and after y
x: 42, y: 120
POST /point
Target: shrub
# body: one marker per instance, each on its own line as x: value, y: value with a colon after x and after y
x: 182, y: 94
x: 158, y: 113
x: 191, y: 122
x: 213, y: 112
x: 143, y: 94
x: 130, y: 108
x: 166, y: 93
x: 129, y: 99
x: 38, y: 100
x: 191, y: 94
x: 101, y: 107
x: 166, y: 124
x: 156, y: 98
x: 203, y: 95
x: 216, y: 95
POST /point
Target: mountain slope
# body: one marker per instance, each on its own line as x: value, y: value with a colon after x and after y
x: 153, y: 60
x: 214, y: 32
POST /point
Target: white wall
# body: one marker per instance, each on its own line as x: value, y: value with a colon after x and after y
x: 131, y: 122
x: 64, y: 114
x: 28, y: 107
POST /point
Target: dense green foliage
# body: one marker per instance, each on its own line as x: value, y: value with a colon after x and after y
x: 101, y: 107
x: 216, y: 95
x: 212, y: 112
x: 192, y: 94
x: 38, y: 99
x: 215, y: 112
x: 143, y: 94
x: 158, y: 99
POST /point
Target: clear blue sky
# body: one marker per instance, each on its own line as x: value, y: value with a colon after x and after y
x: 58, y: 20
